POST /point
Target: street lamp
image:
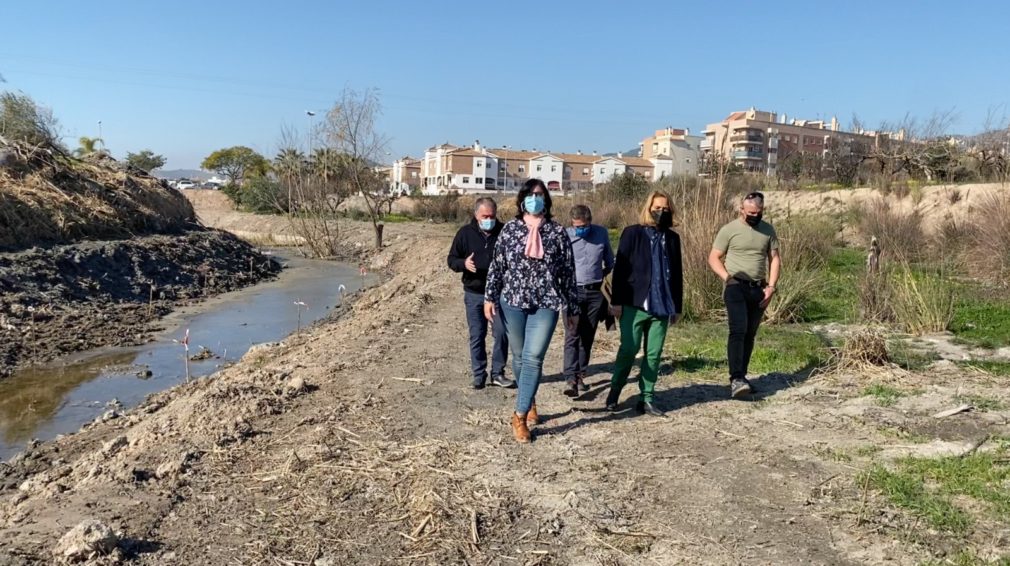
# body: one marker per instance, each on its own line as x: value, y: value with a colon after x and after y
x: 310, y: 114
x: 100, y: 134
x: 505, y: 175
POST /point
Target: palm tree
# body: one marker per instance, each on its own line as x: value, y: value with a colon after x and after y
x: 289, y: 163
x: 88, y: 146
x: 326, y: 163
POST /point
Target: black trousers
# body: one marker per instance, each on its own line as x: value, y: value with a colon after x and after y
x: 743, y: 309
x: 579, y: 344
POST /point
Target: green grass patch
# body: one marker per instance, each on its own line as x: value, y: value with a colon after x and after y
x: 885, y: 395
x: 981, y: 402
x: 969, y: 557
x: 838, y: 301
x: 700, y: 348
x: 397, y: 217
x: 982, y: 322
x: 990, y: 366
x: 926, y: 487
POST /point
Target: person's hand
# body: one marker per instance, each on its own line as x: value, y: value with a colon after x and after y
x: 769, y: 292
x: 470, y: 265
x: 572, y: 322
x: 616, y: 310
x: 674, y: 319
x: 489, y: 311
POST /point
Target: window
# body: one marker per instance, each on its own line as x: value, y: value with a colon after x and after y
x: 413, y: 174
x: 554, y: 168
x: 522, y: 168
x: 540, y: 167
x: 466, y: 180
x: 479, y: 180
x: 602, y: 170
x: 585, y: 170
x: 480, y: 164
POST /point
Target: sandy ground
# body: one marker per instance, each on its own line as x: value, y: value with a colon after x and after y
x: 359, y: 442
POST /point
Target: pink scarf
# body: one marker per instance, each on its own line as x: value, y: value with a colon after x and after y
x: 534, y: 247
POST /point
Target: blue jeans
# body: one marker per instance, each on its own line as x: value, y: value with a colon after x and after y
x: 475, y: 320
x: 529, y: 332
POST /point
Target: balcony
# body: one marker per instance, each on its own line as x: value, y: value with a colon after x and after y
x: 748, y: 155
x: 746, y: 138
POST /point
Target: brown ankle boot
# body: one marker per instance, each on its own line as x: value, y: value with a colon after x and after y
x: 532, y: 417
x: 519, y: 429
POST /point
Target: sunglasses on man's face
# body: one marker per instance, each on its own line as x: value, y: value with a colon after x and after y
x: 754, y: 195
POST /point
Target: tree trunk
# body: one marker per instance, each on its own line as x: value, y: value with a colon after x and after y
x: 378, y: 235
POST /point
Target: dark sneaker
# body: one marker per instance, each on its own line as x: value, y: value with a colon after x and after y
x: 581, y: 380
x: 477, y: 385
x: 572, y: 388
x: 502, y: 381
x: 739, y: 388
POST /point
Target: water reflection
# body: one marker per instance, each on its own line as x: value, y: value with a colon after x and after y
x: 34, y: 396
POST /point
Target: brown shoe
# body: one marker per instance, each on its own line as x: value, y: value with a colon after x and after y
x: 519, y: 429
x: 532, y: 417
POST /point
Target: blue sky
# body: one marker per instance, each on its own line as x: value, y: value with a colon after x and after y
x: 184, y: 78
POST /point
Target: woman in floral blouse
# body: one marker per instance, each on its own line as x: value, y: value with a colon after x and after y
x: 532, y: 277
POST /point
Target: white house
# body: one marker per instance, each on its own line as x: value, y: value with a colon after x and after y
x: 605, y: 168
x: 548, y: 168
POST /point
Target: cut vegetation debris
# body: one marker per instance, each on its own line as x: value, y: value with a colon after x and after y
x: 48, y: 197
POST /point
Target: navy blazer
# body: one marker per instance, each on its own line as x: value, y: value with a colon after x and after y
x: 633, y: 268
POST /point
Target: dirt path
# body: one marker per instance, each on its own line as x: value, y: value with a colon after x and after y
x: 360, y: 442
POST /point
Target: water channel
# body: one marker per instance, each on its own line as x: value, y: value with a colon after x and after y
x: 46, y: 401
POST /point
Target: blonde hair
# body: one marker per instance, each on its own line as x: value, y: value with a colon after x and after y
x: 645, y: 217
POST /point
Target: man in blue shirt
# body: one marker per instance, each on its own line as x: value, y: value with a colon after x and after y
x: 594, y: 259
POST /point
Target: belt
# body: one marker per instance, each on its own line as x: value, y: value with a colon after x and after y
x: 592, y: 286
x: 760, y: 283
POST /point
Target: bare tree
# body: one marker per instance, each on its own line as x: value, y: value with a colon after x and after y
x: 916, y: 148
x: 350, y: 128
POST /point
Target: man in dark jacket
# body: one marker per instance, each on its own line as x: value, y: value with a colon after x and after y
x: 470, y: 254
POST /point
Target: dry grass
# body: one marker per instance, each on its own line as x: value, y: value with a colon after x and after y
x: 355, y: 484
x: 989, y: 238
x: 900, y: 233
x: 47, y: 197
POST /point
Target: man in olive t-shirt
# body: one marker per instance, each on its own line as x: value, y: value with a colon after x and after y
x: 745, y: 256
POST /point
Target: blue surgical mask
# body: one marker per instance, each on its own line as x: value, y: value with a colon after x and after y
x: 486, y: 224
x: 534, y: 204
x: 582, y: 231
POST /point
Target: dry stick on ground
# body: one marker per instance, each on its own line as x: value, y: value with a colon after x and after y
x: 862, y: 506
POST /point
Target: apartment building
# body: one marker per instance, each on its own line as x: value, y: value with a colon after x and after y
x: 678, y: 146
x: 759, y: 141
x: 472, y: 169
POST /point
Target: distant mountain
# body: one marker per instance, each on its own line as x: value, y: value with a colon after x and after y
x: 182, y: 173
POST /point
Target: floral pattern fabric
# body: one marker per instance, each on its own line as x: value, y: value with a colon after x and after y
x: 526, y: 282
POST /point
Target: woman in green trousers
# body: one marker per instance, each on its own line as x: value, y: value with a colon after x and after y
x: 647, y: 297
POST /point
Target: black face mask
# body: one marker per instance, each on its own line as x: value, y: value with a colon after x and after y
x: 754, y: 220
x: 663, y: 218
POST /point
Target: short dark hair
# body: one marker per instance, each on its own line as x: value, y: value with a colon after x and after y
x: 527, y: 189
x: 582, y: 212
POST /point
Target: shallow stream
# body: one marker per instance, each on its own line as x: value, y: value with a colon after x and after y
x: 43, y: 402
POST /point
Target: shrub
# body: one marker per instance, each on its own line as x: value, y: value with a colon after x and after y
x: 900, y: 233
x: 21, y: 119
x: 442, y: 208
x: 922, y: 302
x: 806, y: 243
x: 989, y: 241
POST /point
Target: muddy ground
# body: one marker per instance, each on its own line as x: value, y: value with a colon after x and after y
x: 69, y: 298
x: 359, y: 442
